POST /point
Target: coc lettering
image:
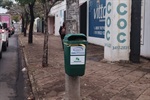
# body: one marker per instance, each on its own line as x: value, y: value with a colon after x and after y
x: 121, y: 23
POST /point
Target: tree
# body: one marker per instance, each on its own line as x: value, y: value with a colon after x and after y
x: 26, y: 13
x: 47, y: 5
x: 30, y: 4
x: 22, y: 11
x: 15, y: 18
x: 72, y: 26
x: 6, y: 4
x: 1, y: 2
x: 72, y: 18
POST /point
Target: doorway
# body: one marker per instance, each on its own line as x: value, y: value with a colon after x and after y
x: 83, y: 18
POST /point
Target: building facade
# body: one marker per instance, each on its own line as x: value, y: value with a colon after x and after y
x: 145, y: 29
x: 93, y: 21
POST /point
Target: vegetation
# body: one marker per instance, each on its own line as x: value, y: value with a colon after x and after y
x: 47, y: 5
x: 28, y: 10
x: 6, y: 4
x: 30, y: 4
x: 16, y: 18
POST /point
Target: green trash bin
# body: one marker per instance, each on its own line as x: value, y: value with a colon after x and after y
x: 75, y: 54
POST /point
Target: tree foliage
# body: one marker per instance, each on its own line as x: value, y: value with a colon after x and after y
x: 40, y: 8
x: 30, y: 4
x: 16, y: 18
x: 6, y: 4
x: 25, y: 1
x: 16, y: 9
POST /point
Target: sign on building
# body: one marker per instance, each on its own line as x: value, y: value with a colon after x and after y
x: 117, y: 30
x: 97, y: 10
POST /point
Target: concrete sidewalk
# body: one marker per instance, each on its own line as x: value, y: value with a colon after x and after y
x: 102, y: 80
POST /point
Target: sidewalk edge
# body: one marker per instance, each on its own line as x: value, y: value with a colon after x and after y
x: 29, y: 82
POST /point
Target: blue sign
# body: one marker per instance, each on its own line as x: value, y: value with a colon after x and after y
x: 97, y: 10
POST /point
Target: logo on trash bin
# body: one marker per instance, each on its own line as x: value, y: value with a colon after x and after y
x: 77, y: 50
x: 77, y: 60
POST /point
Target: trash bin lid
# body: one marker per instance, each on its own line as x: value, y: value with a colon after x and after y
x: 75, y: 37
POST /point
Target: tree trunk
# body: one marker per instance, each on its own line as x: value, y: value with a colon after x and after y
x: 22, y: 30
x: 72, y: 84
x: 46, y: 35
x: 30, y: 39
x: 72, y: 16
x: 26, y: 24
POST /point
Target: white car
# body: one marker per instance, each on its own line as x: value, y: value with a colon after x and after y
x: 4, y: 39
x: 0, y: 45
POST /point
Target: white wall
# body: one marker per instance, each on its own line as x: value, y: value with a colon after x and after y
x: 51, y: 25
x: 61, y: 6
x: 35, y: 25
x: 117, y: 30
x: 145, y: 48
x: 58, y: 12
x: 82, y: 1
x: 57, y: 23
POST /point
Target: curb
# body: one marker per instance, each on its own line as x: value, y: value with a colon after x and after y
x: 30, y: 89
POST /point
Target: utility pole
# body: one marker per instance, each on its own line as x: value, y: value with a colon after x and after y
x: 72, y: 84
x: 135, y: 31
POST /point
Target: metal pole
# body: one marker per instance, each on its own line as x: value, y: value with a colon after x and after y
x: 72, y: 86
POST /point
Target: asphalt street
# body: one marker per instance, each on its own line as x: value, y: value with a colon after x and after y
x: 11, y: 78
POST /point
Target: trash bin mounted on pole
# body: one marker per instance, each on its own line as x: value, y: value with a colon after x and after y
x: 75, y: 54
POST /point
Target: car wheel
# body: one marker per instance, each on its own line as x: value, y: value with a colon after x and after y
x: 4, y: 47
x: 7, y: 43
x: 9, y: 35
x: 1, y: 54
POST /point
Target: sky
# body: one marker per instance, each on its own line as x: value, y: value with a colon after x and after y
x: 3, y: 10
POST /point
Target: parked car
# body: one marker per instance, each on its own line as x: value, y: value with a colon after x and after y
x: 12, y: 30
x: 0, y: 45
x: 6, y: 20
x: 9, y: 32
x: 4, y: 34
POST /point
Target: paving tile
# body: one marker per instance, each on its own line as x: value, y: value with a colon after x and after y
x: 147, y: 75
x: 137, y: 73
x: 131, y: 78
x: 144, y: 80
x: 122, y: 72
x: 131, y: 92
x: 102, y: 72
x: 120, y: 98
x: 118, y: 84
x: 96, y: 81
x: 86, y: 89
x: 144, y: 97
x: 101, y: 95
x: 111, y: 77
x: 147, y: 92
